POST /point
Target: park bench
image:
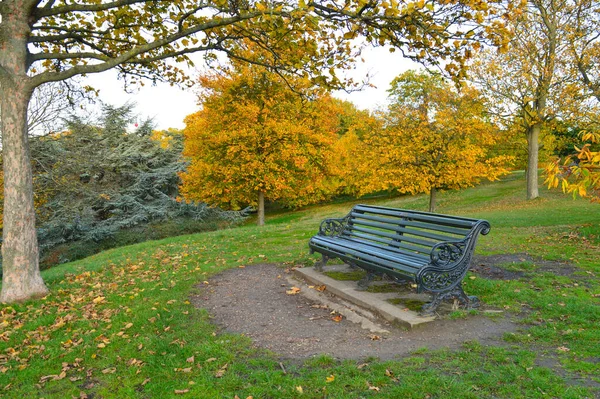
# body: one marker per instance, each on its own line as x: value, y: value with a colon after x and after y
x: 431, y: 250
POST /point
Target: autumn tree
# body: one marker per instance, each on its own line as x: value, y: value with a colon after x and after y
x: 434, y: 138
x: 255, y: 139
x: 578, y: 174
x: 54, y: 40
x: 348, y: 164
x: 540, y: 78
x: 583, y: 43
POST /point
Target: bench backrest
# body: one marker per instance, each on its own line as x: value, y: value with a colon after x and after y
x: 409, y: 232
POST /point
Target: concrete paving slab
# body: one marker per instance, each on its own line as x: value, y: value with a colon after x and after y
x: 377, y: 303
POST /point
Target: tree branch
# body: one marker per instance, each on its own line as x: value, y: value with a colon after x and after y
x: 49, y: 11
x: 129, y: 55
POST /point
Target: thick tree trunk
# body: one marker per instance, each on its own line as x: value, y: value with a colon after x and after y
x: 533, y: 147
x: 432, y: 199
x: 261, y: 208
x: 21, y: 277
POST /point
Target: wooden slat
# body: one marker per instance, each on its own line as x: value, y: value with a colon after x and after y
x: 392, y: 247
x: 420, y: 233
x: 366, y: 249
x: 420, y: 216
x: 347, y: 252
x: 397, y: 244
x: 410, y: 239
x: 408, y: 223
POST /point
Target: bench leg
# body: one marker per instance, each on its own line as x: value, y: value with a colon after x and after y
x: 363, y: 284
x: 319, y: 265
x: 468, y: 302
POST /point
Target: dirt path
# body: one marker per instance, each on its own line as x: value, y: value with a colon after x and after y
x: 253, y: 301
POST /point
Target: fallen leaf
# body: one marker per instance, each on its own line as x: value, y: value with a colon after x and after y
x: 190, y: 359
x: 299, y: 389
x: 128, y: 326
x: 147, y: 380
x: 98, y: 299
x: 331, y: 378
x: 181, y: 391
x: 321, y: 288
x: 210, y: 359
x: 374, y: 337
x: 110, y: 370
x: 221, y: 372
x: 563, y: 349
x: 337, y: 318
x: 374, y: 388
x: 362, y: 366
x: 293, y: 291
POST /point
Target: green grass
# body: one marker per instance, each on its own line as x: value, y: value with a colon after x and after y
x: 120, y: 324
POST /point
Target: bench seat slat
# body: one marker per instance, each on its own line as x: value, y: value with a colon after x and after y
x: 391, y: 247
x: 369, y: 250
x: 343, y: 247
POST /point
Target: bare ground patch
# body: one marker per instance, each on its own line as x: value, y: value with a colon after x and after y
x: 253, y: 301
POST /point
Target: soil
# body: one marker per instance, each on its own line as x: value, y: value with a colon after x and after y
x: 253, y: 301
x: 491, y: 266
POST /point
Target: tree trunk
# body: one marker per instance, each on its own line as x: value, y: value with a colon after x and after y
x: 533, y: 147
x: 21, y: 277
x: 261, y: 208
x: 432, y: 197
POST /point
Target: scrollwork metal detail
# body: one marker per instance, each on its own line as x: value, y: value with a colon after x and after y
x: 332, y: 227
x: 447, y: 253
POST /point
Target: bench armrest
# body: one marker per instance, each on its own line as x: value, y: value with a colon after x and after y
x: 332, y: 227
x: 448, y: 253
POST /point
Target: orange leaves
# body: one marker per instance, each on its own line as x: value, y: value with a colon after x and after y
x: 434, y: 138
x: 255, y: 134
x: 578, y: 174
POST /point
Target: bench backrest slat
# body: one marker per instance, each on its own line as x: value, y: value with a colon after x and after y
x: 410, y: 223
x: 409, y: 232
x: 396, y: 227
x: 419, y: 216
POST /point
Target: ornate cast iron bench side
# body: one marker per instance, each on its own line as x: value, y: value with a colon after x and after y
x: 438, y: 265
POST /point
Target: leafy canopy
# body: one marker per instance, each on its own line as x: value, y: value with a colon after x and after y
x: 433, y: 137
x: 253, y: 135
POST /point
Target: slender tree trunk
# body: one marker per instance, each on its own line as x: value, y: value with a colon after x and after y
x: 21, y: 277
x: 432, y: 198
x: 533, y: 147
x: 261, y: 208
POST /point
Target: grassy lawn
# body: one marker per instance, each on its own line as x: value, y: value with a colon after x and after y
x: 119, y: 324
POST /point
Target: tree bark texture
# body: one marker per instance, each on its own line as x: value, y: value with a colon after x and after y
x: 432, y: 199
x: 261, y: 208
x: 21, y: 279
x: 533, y: 147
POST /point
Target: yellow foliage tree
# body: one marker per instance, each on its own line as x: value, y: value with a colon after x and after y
x: 256, y: 139
x: 578, y: 174
x: 433, y: 138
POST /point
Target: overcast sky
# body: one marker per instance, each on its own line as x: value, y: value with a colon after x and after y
x: 170, y: 105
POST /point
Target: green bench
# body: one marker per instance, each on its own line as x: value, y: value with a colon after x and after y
x: 431, y: 250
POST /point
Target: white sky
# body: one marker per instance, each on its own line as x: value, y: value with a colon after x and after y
x: 168, y: 105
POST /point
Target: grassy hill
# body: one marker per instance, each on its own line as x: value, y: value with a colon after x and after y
x: 120, y: 324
